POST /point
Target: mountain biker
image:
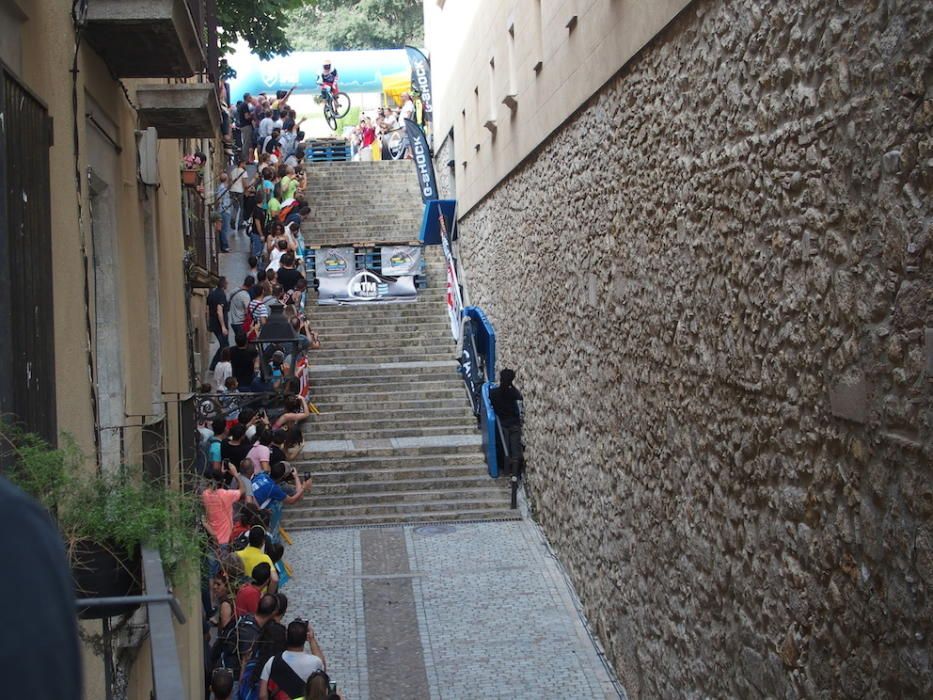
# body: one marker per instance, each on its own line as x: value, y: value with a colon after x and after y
x: 329, y: 81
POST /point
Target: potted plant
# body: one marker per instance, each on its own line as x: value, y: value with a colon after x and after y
x: 191, y: 169
x: 104, y: 519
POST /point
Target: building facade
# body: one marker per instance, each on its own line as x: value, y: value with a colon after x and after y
x: 104, y: 253
x: 702, y: 232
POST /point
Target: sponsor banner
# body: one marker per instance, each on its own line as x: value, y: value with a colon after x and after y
x: 421, y: 81
x: 334, y: 268
x: 401, y: 260
x: 470, y: 368
x: 454, y: 300
x: 424, y: 164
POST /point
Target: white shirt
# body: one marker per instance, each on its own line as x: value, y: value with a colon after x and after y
x: 221, y: 372
x: 302, y: 663
x: 265, y: 127
x: 408, y: 111
x: 237, y: 178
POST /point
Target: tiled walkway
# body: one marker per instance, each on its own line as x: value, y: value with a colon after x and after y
x: 452, y: 611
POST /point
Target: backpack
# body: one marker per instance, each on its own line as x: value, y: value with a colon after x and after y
x: 234, y: 643
x: 286, y: 210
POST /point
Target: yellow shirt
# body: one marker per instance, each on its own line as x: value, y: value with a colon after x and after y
x: 251, y: 556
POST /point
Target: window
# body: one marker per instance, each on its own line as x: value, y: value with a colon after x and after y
x: 27, y: 332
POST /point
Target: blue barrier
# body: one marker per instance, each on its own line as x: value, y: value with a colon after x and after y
x: 430, y: 221
x: 485, y: 340
x: 490, y: 432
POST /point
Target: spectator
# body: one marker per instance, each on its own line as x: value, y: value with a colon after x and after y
x: 258, y: 310
x: 260, y: 452
x: 266, y: 125
x: 236, y: 447
x: 224, y: 608
x: 237, y: 188
x: 252, y: 554
x: 239, y: 301
x: 277, y: 448
x: 221, y: 684
x: 278, y: 248
x: 294, y: 444
x: 217, y: 318
x: 243, y: 362
x: 270, y: 642
x: 296, y: 411
x: 318, y: 687
x: 218, y: 506
x: 224, y: 203
x: 286, y: 674
x: 229, y: 401
x: 214, y: 460
x: 288, y: 276
x: 223, y: 370
x: 408, y: 108
x: 250, y: 593
x: 253, y: 263
x: 508, y: 405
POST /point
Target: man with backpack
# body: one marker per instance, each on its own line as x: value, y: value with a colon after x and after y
x: 238, y: 303
x: 235, y: 641
x: 285, y: 675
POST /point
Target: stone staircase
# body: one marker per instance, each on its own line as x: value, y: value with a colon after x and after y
x: 362, y: 202
x: 395, y: 441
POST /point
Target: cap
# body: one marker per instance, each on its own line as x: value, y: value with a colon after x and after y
x: 278, y: 356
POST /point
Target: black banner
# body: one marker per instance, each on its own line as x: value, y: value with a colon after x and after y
x: 470, y: 368
x: 424, y: 166
x: 421, y: 81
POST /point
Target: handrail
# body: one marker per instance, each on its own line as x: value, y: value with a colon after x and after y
x: 167, y: 680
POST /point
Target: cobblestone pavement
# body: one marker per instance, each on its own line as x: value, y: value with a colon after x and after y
x: 481, y: 609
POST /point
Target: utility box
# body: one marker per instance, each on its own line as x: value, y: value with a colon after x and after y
x: 147, y: 142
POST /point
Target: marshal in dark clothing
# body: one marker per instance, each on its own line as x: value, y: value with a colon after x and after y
x: 508, y: 404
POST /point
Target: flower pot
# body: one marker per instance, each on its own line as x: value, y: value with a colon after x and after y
x: 104, y: 571
x: 189, y: 178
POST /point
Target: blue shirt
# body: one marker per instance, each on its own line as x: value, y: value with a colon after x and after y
x: 214, y: 450
x: 265, y: 490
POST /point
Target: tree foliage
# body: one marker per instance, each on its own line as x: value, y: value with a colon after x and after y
x: 261, y: 23
x: 335, y: 25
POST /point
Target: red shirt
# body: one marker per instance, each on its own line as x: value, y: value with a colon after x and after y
x: 247, y: 599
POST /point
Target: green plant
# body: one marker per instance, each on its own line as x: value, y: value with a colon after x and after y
x: 119, y: 510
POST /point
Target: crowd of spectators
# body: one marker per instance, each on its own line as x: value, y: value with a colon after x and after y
x: 381, y: 136
x: 250, y: 410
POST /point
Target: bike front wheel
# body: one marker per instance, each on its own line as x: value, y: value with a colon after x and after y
x: 330, y: 117
x: 341, y: 104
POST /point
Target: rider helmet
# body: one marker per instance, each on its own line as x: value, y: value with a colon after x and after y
x: 326, y: 64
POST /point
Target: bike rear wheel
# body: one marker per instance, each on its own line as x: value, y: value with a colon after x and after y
x: 341, y: 104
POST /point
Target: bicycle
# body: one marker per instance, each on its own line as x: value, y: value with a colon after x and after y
x: 336, y: 105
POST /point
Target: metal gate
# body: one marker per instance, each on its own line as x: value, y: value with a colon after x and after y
x: 27, y: 384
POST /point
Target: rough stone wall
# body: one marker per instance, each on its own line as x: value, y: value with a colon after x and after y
x: 716, y: 283
x: 444, y: 154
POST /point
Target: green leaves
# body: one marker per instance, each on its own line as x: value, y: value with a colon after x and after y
x: 122, y: 508
x: 334, y: 25
x: 261, y: 23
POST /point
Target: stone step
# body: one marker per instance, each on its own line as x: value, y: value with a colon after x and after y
x: 326, y: 433
x: 335, y: 521
x: 354, y: 331
x: 465, y: 502
x: 385, y: 421
x: 461, y: 412
x: 379, y: 392
x: 381, y: 356
x: 317, y: 451
x: 352, y: 395
x: 419, y: 492
x: 338, y: 343
x: 396, y: 468
x: 348, y: 404
x: 369, y: 373
x: 382, y: 314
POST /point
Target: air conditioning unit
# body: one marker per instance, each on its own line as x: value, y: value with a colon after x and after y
x: 147, y: 142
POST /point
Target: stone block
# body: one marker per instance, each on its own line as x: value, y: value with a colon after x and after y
x: 849, y: 400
